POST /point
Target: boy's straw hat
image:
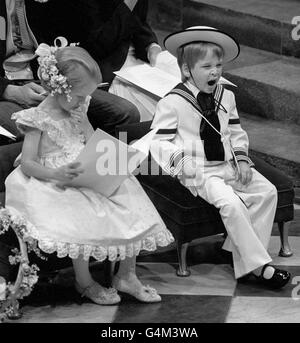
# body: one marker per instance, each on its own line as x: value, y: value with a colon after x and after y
x: 204, y: 34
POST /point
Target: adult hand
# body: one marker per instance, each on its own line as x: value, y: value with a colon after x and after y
x: 68, y: 172
x: 153, y: 51
x: 130, y: 4
x: 30, y: 94
x: 245, y: 175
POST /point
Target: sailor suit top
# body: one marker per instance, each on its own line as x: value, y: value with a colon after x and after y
x: 178, y: 118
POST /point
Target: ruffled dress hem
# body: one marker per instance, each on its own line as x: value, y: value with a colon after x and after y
x: 156, y: 238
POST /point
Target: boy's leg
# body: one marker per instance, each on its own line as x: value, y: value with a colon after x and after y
x: 247, y: 250
x: 106, y: 111
x: 260, y: 197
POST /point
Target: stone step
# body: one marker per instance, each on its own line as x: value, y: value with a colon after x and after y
x: 262, y: 24
x: 268, y: 84
x: 275, y: 142
x: 272, y: 25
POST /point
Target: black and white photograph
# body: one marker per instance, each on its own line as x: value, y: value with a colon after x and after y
x: 149, y: 165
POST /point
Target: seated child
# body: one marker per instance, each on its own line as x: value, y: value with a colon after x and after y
x: 78, y: 222
x: 202, y: 143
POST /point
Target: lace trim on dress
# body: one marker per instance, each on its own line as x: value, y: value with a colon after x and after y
x: 157, y: 237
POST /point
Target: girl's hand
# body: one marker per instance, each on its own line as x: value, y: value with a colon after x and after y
x: 245, y: 175
x: 80, y: 113
x: 68, y: 172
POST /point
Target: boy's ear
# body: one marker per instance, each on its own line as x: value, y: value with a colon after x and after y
x: 185, y: 71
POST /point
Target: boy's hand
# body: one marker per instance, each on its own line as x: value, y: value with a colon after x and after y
x: 187, y: 175
x: 245, y: 175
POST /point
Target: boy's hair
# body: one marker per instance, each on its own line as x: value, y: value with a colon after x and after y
x: 193, y: 52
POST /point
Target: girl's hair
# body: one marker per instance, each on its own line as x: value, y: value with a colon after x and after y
x: 69, y: 59
x: 193, y: 52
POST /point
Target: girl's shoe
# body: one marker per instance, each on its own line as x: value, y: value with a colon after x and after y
x: 144, y: 294
x: 99, y: 294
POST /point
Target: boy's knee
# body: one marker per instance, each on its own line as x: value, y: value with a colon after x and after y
x: 232, y: 206
x: 268, y: 191
x: 272, y: 191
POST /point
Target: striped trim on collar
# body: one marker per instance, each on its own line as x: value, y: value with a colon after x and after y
x: 184, y: 92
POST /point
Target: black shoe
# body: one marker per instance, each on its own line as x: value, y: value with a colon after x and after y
x: 245, y: 278
x: 279, y: 279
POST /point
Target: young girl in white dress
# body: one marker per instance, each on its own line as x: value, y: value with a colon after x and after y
x: 78, y: 222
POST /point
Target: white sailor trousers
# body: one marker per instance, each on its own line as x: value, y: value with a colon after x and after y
x: 247, y: 213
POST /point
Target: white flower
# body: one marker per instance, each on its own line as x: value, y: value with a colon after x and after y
x: 18, y: 221
x: 45, y: 76
x: 49, y: 72
x: 43, y: 50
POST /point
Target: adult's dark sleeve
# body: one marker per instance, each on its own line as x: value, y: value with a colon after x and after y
x: 143, y: 35
x: 114, y: 30
x: 3, y: 84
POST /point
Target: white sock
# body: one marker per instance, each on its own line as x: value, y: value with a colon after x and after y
x: 268, y: 272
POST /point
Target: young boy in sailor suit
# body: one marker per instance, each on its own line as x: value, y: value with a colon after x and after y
x: 200, y: 141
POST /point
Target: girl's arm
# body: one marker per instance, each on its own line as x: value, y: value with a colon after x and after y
x: 80, y: 115
x: 31, y: 167
x: 29, y: 164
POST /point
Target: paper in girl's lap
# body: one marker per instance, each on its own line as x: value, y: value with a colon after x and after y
x: 107, y: 161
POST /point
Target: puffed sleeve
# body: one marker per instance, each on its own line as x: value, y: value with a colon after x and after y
x: 29, y: 119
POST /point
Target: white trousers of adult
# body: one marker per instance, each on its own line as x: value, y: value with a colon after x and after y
x: 145, y: 102
x: 247, y: 213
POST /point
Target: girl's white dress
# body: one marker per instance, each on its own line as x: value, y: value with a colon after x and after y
x: 78, y: 220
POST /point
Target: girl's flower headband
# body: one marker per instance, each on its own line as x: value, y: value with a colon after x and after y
x: 48, y: 72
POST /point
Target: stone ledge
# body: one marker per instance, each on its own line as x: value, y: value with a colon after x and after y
x: 263, y: 24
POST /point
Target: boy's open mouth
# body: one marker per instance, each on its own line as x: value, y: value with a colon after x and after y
x: 211, y: 82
